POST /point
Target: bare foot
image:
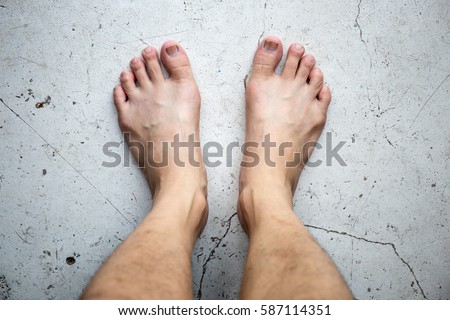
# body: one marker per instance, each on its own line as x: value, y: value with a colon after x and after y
x: 284, y: 261
x: 292, y: 108
x: 155, y: 112
x: 154, y: 262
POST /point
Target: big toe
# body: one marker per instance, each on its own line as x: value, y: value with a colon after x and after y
x: 175, y: 60
x: 267, y: 56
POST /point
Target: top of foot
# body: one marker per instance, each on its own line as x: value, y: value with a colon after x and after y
x: 155, y: 112
x: 290, y: 107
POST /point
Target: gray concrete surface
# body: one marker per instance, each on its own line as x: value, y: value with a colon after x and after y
x: 383, y: 217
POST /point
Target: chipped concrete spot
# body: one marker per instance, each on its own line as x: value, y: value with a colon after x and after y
x: 41, y: 104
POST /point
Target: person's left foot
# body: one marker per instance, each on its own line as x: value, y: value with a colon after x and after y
x: 154, y: 113
x: 289, y: 110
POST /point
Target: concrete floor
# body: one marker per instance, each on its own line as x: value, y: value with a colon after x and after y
x: 383, y: 217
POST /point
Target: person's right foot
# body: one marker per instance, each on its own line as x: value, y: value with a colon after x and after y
x: 155, y: 113
x: 292, y: 108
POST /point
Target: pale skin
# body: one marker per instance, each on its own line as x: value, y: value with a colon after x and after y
x: 284, y: 261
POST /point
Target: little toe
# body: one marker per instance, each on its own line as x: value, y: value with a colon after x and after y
x: 176, y: 61
x: 127, y: 80
x: 150, y: 56
x: 324, y: 96
x: 315, y: 80
x: 294, y: 55
x: 138, y: 67
x: 267, y: 56
x: 120, y: 98
x: 307, y: 63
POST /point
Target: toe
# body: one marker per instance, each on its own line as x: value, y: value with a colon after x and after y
x: 175, y: 60
x: 120, y: 98
x: 294, y: 55
x: 306, y: 65
x: 267, y: 56
x: 324, y: 96
x: 127, y: 80
x: 138, y: 67
x: 315, y: 80
x: 153, y: 67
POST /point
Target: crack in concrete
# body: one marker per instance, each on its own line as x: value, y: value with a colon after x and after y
x: 248, y: 74
x: 357, y: 23
x: 260, y: 37
x: 211, y: 254
x: 390, y: 244
x: 426, y: 102
x: 25, y: 241
x: 42, y: 65
x: 361, y: 33
x: 245, y: 80
x: 264, y: 23
x: 66, y: 161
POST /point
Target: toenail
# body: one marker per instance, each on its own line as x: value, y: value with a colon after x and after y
x: 134, y: 60
x: 298, y: 47
x: 270, y: 46
x: 148, y: 50
x: 172, y: 50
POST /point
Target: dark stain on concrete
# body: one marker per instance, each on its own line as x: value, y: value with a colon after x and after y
x: 41, y: 104
x: 4, y: 288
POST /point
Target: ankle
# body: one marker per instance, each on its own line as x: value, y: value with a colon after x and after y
x: 187, y: 208
x: 262, y: 203
x: 176, y: 180
x: 272, y: 177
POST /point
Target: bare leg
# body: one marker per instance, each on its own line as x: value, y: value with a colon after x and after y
x: 155, y: 261
x: 284, y: 261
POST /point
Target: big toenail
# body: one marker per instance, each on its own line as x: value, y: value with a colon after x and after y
x: 298, y: 47
x: 270, y: 46
x: 148, y: 50
x: 134, y: 60
x: 172, y: 50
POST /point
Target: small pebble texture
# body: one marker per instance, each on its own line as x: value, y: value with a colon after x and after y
x: 383, y: 217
